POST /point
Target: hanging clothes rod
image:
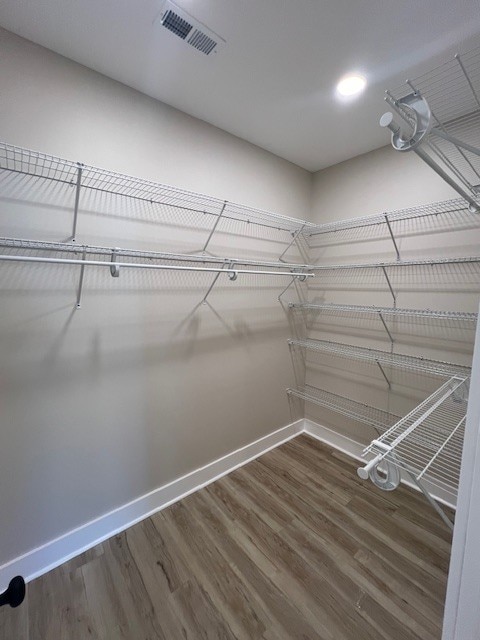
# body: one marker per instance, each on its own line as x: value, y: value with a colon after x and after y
x: 35, y: 245
x: 134, y: 265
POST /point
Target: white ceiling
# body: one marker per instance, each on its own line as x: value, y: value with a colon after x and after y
x: 273, y: 83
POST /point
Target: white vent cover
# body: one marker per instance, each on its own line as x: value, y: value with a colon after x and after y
x: 193, y: 32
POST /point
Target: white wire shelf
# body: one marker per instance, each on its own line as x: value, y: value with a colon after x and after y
x: 384, y: 358
x: 387, y: 311
x: 364, y: 413
x: 395, y: 264
x: 439, y: 116
x: 428, y: 441
x: 434, y: 210
x: 41, y: 165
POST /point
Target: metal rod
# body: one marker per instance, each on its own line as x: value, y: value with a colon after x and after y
x: 392, y: 236
x: 77, y: 199
x: 433, y: 503
x: 383, y: 373
x: 18, y: 243
x: 474, y: 206
x: 439, y: 451
x: 135, y: 265
x: 80, y: 282
x: 389, y: 285
x: 456, y: 141
x: 444, y: 158
x: 214, y: 227
x: 204, y: 301
x: 385, y: 326
x: 286, y: 289
x: 295, y: 235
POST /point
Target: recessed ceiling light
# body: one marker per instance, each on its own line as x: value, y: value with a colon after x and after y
x: 351, y: 85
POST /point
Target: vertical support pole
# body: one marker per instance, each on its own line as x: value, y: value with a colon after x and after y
x: 295, y: 235
x: 286, y: 289
x: 77, y: 200
x: 214, y: 282
x: 383, y: 373
x: 390, y: 286
x: 214, y: 227
x: 437, y: 508
x: 80, y: 282
x: 385, y: 326
x: 392, y: 236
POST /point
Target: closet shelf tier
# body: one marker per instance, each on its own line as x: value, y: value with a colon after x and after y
x: 437, y: 115
x: 428, y: 441
x: 397, y: 263
x: 377, y: 418
x: 436, y: 209
x: 386, y: 311
x: 41, y: 165
x: 225, y: 263
x: 376, y: 356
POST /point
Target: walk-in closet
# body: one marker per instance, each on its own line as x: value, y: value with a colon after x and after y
x: 239, y: 284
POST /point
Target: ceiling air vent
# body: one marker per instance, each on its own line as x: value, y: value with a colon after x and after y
x: 186, y: 27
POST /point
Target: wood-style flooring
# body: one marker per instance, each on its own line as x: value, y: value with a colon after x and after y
x: 293, y: 545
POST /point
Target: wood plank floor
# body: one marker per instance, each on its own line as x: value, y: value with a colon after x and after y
x: 293, y: 545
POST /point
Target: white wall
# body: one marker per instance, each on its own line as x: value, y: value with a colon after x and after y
x: 142, y: 385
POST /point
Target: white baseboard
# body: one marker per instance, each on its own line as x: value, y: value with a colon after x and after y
x: 38, y: 561
x: 354, y: 449
x: 54, y: 553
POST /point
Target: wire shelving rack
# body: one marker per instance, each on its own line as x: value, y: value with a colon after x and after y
x: 85, y: 177
x: 439, y: 115
x: 451, y: 208
x: 383, y: 358
x: 427, y: 443
x: 385, y: 314
x: 359, y: 411
x: 386, y: 311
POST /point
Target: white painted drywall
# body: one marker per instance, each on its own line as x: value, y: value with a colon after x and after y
x: 141, y: 386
